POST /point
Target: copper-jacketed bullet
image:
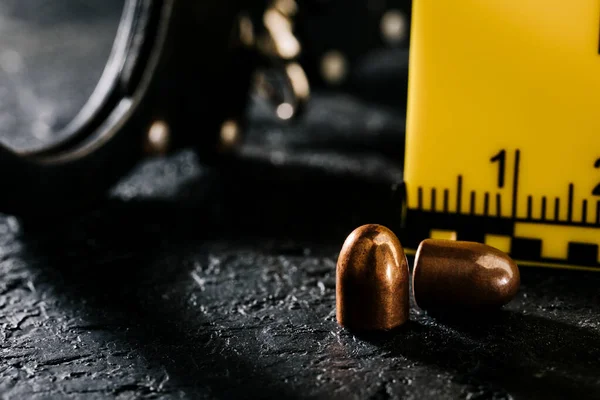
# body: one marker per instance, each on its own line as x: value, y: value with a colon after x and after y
x: 372, y: 280
x: 456, y: 275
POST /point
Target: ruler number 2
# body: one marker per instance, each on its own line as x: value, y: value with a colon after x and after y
x: 501, y: 158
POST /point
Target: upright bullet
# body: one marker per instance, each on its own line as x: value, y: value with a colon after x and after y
x: 372, y: 280
x: 455, y: 275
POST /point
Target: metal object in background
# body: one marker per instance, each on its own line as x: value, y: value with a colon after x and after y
x: 357, y: 46
x: 280, y: 79
x: 178, y: 75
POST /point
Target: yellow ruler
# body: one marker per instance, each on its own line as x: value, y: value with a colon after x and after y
x: 503, y: 128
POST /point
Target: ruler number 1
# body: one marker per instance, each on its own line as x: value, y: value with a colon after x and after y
x: 501, y: 158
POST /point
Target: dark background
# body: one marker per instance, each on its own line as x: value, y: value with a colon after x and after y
x: 198, y: 282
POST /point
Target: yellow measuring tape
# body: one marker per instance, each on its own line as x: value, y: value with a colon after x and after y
x: 503, y: 127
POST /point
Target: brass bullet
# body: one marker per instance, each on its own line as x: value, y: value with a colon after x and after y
x: 372, y: 280
x: 456, y: 275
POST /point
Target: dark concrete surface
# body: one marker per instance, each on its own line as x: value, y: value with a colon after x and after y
x: 193, y: 283
x: 190, y: 282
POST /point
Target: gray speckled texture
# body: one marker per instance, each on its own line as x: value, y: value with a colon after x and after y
x: 195, y: 283
x: 189, y: 283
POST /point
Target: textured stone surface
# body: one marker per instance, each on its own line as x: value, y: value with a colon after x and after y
x: 193, y: 283
x: 199, y: 285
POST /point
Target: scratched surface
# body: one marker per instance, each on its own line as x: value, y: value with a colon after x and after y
x: 193, y: 283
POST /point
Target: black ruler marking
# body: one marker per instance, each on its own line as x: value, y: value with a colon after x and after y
x: 515, y: 189
x: 515, y: 182
x: 446, y: 195
x: 543, y: 208
x: 498, y: 205
x: 458, y: 193
x: 486, y: 203
x: 570, y: 204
